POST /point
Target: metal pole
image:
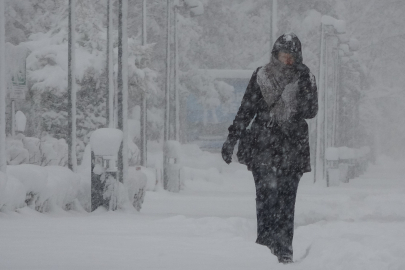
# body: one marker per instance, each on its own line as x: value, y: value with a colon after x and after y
x: 13, y: 117
x: 143, y: 97
x: 3, y: 91
x: 123, y: 89
x: 273, y: 24
x: 326, y: 106
x: 274, y: 19
x: 72, y: 159
x: 318, y: 161
x: 167, y: 96
x: 110, y: 68
x: 176, y: 78
x: 271, y: 41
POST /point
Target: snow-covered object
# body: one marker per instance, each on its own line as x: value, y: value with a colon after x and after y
x: 172, y: 149
x: 346, y: 153
x: 16, y: 153
x: 133, y: 153
x: 32, y: 145
x: 12, y: 193
x: 354, y: 44
x: 343, y: 38
x: 106, y: 141
x: 33, y: 177
x: 54, y: 152
x: 332, y: 153
x: 344, y: 173
x: 345, y: 48
x: 20, y: 121
x: 333, y: 177
x: 62, y: 187
x: 339, y: 25
x: 136, y: 186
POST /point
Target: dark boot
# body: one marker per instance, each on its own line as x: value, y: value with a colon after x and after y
x: 285, y: 259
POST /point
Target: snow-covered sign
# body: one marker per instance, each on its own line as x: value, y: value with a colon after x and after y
x: 106, y: 141
x: 16, y: 57
x: 20, y: 121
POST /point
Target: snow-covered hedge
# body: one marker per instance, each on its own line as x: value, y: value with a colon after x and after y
x: 55, y: 187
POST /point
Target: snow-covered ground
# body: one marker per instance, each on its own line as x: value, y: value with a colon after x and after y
x: 211, y: 225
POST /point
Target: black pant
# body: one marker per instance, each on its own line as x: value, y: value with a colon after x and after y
x: 276, y: 192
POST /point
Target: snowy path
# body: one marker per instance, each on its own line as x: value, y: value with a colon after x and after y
x: 360, y: 225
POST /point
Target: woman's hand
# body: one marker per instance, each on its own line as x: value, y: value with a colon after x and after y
x: 227, y: 150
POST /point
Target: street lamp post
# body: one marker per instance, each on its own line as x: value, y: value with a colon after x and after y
x: 72, y: 159
x: 123, y: 89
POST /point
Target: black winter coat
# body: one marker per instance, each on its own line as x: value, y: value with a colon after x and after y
x: 283, y: 146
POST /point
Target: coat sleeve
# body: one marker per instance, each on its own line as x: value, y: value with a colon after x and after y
x: 307, y: 97
x: 247, y: 109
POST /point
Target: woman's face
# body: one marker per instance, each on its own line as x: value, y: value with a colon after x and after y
x: 286, y: 58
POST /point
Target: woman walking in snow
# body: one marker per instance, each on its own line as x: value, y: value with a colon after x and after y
x: 280, y: 95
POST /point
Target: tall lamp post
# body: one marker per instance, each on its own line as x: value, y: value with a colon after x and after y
x: 72, y: 158
x: 123, y: 89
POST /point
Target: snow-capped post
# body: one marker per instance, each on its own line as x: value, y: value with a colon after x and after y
x: 71, y: 138
x: 123, y: 89
x: 144, y: 107
x: 3, y: 91
x: 105, y: 144
x: 110, y: 67
x: 167, y: 97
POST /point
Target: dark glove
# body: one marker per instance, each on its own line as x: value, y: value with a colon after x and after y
x: 227, y: 149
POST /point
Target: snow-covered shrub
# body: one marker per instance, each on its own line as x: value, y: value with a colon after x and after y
x: 33, y: 147
x: 54, y: 152
x: 136, y: 186
x: 16, y: 153
x: 35, y: 179
x: 12, y: 193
